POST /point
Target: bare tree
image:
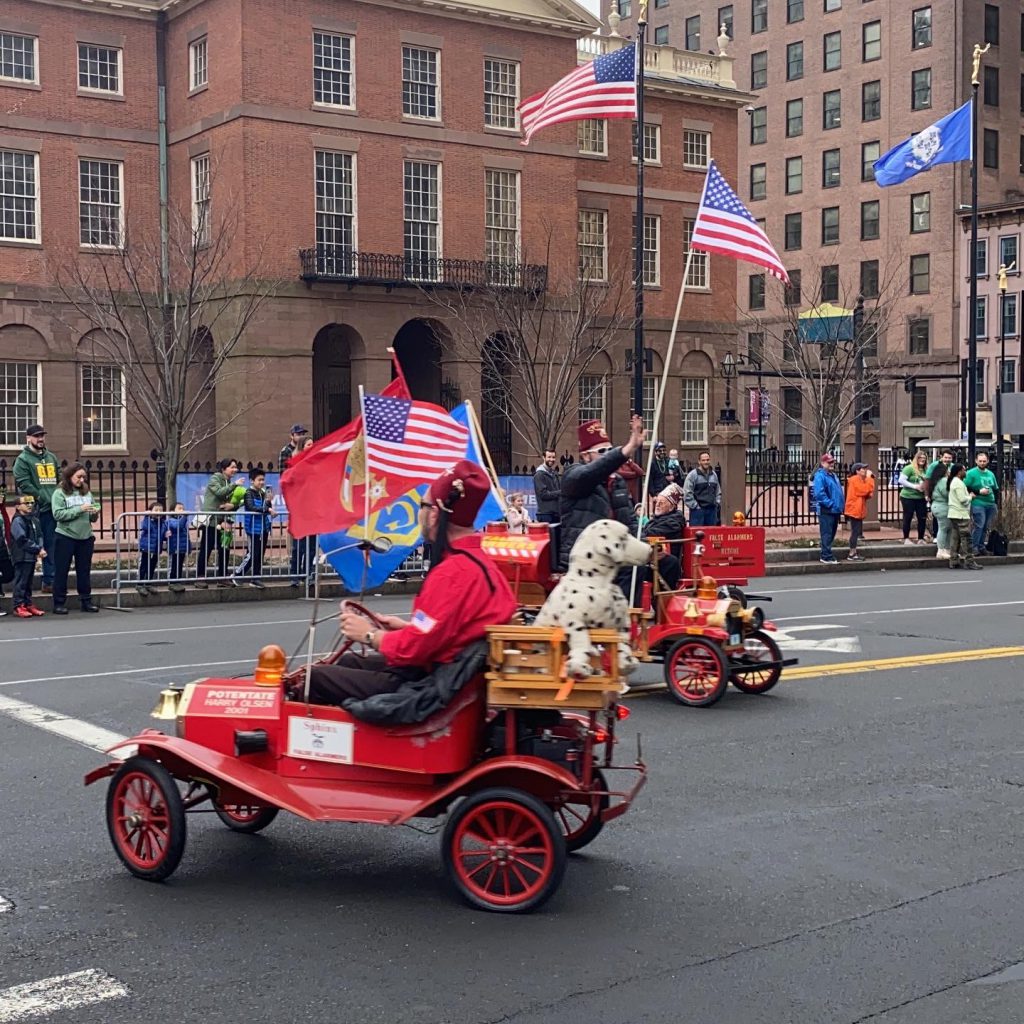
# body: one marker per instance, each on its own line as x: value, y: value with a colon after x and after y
x: 825, y: 371
x: 170, y: 314
x: 544, y: 332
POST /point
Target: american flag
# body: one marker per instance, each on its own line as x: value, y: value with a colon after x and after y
x: 413, y: 440
x: 724, y: 225
x: 603, y: 87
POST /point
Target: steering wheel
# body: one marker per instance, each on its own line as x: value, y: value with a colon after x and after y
x: 297, y: 675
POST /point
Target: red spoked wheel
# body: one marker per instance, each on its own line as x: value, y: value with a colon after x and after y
x: 247, y: 818
x: 503, y: 851
x: 696, y: 672
x: 146, y: 819
x: 580, y: 815
x: 758, y: 646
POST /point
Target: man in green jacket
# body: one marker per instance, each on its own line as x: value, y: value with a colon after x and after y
x: 982, y: 484
x: 217, y: 498
x: 37, y: 472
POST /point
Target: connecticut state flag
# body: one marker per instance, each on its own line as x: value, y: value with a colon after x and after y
x: 399, y: 522
x: 948, y: 141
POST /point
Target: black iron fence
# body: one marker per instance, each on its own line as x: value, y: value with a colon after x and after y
x: 395, y: 270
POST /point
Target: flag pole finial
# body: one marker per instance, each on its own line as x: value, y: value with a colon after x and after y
x: 978, y: 52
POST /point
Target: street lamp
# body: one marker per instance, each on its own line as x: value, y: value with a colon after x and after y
x: 728, y: 370
x: 1003, y: 271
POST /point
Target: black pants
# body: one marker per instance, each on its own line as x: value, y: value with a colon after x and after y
x: 148, y: 562
x: 669, y: 569
x: 252, y: 564
x: 553, y: 519
x: 856, y: 531
x: 176, y: 565
x: 23, y: 572
x: 359, y: 676
x: 209, y: 541
x: 67, y: 548
x: 914, y: 507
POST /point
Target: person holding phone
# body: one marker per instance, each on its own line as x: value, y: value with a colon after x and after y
x: 74, y: 512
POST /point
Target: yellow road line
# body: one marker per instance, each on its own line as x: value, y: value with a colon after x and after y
x: 908, y: 661
x: 874, y: 665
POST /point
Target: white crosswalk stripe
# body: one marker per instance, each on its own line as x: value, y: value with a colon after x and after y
x: 6, y: 906
x: 63, y: 992
x: 60, y: 725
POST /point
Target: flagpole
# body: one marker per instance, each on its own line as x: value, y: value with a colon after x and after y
x: 481, y: 446
x: 366, y: 467
x: 638, y: 244
x: 972, y: 337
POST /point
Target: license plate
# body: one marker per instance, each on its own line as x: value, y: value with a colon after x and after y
x: 734, y: 640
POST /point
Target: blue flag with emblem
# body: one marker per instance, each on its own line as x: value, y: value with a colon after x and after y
x: 399, y: 522
x: 948, y: 141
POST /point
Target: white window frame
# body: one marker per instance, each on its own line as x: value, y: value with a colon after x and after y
x: 655, y: 133
x: 114, y: 446
x: 436, y: 116
x: 693, y: 410
x: 351, y: 73
x: 119, y: 164
x: 1003, y: 364
x: 592, y: 397
x: 201, y: 198
x: 92, y: 90
x: 592, y: 136
x: 37, y: 238
x: 1015, y: 262
x: 650, y: 386
x: 652, y: 254
x: 699, y: 277
x: 438, y: 253
x: 327, y: 206
x: 16, y: 419
x: 502, y: 96
x: 694, y: 141
x: 981, y: 321
x: 1009, y: 302
x: 199, y: 63
x: 497, y: 234
x: 592, y: 253
x: 34, y: 80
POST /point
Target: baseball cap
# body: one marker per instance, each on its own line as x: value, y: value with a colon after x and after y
x: 827, y: 458
x: 35, y: 430
x: 660, y: 444
x: 859, y: 465
x: 298, y: 428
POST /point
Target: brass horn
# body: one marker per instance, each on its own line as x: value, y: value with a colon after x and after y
x: 167, y: 707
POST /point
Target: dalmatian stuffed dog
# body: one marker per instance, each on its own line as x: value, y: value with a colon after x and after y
x: 587, y: 596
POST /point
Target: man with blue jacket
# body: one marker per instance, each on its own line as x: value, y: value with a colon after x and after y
x: 827, y: 494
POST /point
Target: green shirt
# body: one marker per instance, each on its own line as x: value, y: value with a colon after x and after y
x: 72, y: 519
x: 36, y: 473
x: 218, y: 492
x: 976, y: 479
x: 913, y: 474
x: 940, y: 498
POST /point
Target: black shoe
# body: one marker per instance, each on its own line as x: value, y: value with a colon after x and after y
x: 89, y: 607
x: 258, y: 585
x: 201, y: 584
x: 294, y: 583
x: 177, y: 588
x: 143, y: 589
x: 60, y: 610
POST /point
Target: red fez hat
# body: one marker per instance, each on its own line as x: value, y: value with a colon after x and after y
x: 460, y: 491
x: 592, y: 435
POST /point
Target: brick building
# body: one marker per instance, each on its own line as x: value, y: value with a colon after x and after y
x: 377, y: 141
x: 839, y: 82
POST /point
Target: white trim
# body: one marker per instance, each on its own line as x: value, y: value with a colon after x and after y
x: 122, y: 445
x: 92, y: 90
x: 35, y: 59
x: 515, y: 127
x: 517, y: 239
x: 38, y: 204
x: 603, y: 214
x: 707, y: 149
x: 38, y: 418
x: 437, y: 115
x: 324, y: 104
x: 355, y: 195
x: 703, y: 381
x: 656, y: 283
x: 603, y: 121
x: 89, y: 246
x: 194, y: 164
x: 193, y: 50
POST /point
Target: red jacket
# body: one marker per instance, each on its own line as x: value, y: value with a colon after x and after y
x: 460, y: 597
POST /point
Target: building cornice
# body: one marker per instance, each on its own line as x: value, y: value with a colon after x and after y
x: 552, y: 17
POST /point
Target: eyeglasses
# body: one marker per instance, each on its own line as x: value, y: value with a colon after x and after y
x: 601, y: 451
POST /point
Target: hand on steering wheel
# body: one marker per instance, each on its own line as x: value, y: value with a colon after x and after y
x: 355, y: 608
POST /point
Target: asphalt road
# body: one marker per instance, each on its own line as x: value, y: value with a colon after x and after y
x: 847, y: 848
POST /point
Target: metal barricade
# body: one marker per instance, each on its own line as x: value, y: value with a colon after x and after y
x: 208, y: 549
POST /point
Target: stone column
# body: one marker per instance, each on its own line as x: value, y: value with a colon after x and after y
x: 869, y: 454
x: 728, y: 449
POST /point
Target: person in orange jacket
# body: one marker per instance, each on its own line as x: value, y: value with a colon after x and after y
x: 859, y: 488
